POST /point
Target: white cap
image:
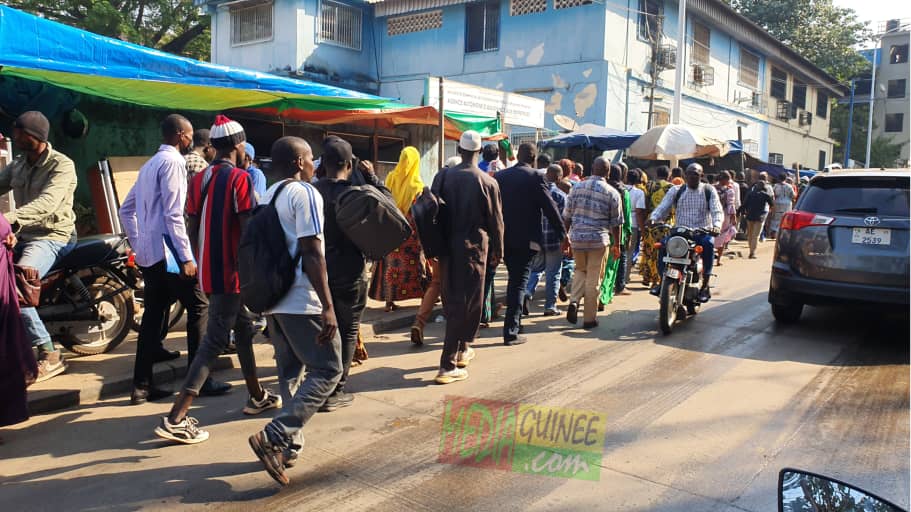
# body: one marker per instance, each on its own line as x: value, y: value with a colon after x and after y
x: 470, y: 141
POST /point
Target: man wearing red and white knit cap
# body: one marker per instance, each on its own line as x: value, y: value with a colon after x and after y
x: 220, y: 201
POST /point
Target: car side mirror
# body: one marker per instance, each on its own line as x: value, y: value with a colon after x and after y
x: 800, y: 491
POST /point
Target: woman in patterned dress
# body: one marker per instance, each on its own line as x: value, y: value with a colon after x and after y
x: 406, y: 272
x: 648, y: 257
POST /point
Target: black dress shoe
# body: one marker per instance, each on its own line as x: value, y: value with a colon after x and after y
x: 165, y: 355
x: 214, y: 388
x: 518, y: 340
x: 572, y: 313
x: 143, y: 395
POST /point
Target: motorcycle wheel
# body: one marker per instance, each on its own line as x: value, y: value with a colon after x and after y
x: 118, y: 312
x: 667, y: 313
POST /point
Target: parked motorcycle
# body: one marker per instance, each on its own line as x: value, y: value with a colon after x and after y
x: 800, y: 491
x: 682, y: 274
x: 87, y: 298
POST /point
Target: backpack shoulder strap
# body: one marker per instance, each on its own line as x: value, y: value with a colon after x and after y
x: 708, y: 198
x: 279, y: 191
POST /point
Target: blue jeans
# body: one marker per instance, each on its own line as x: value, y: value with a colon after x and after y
x: 708, y: 254
x: 299, y: 356
x: 551, y: 264
x: 42, y: 255
x: 566, y: 273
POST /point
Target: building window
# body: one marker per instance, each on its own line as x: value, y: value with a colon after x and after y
x: 822, y: 104
x: 749, y: 69
x: 701, y: 43
x: 340, y: 25
x: 776, y: 158
x: 898, y: 54
x: 398, y: 25
x: 799, y: 95
x: 661, y: 117
x: 650, y: 12
x: 566, y: 4
x: 251, y: 24
x: 779, y: 87
x: 482, y: 26
x: 822, y: 160
x: 895, y: 122
x: 897, y: 88
x: 520, y: 7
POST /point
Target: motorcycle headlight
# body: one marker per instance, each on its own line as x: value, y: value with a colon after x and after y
x: 677, y: 247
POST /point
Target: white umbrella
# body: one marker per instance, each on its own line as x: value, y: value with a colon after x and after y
x: 675, y: 142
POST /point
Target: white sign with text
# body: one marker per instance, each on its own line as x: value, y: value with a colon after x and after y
x: 517, y: 109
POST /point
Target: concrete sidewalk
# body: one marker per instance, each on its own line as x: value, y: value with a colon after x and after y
x: 89, y: 379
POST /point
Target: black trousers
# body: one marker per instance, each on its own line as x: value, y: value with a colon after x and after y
x: 349, y: 301
x: 518, y: 262
x: 161, y: 290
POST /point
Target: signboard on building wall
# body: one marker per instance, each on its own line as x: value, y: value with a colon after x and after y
x: 517, y: 110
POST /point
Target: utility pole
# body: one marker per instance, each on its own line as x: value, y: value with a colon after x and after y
x: 850, y: 126
x: 681, y: 46
x: 876, y: 58
x: 655, y: 39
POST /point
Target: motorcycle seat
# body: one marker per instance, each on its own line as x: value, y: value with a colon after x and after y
x: 91, y: 250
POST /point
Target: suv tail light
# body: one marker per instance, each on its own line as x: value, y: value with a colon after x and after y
x: 796, y: 220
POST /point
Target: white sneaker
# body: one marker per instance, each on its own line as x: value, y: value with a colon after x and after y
x: 448, y: 377
x: 465, y: 357
x: 186, y: 432
x: 269, y: 401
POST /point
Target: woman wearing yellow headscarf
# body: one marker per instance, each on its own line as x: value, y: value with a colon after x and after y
x: 404, y: 274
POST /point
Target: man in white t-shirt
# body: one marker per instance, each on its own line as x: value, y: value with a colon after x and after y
x: 637, y: 219
x: 302, y: 326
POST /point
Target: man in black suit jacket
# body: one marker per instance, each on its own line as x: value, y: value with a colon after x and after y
x: 525, y: 199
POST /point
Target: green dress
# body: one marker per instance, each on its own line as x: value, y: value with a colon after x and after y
x: 613, y: 264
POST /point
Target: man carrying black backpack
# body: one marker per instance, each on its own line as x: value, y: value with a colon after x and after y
x: 345, y: 262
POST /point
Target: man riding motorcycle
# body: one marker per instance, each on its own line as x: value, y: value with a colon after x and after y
x: 43, y: 182
x: 696, y: 206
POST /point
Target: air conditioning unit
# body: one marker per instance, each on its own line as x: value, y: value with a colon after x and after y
x: 667, y: 57
x: 703, y: 75
x: 784, y: 110
x: 756, y: 100
x: 806, y: 118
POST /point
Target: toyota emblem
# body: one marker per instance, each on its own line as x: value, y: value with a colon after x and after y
x: 871, y: 221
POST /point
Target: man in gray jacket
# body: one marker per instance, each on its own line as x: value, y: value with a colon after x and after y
x: 43, y: 182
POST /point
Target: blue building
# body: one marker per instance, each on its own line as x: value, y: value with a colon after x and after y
x: 594, y: 62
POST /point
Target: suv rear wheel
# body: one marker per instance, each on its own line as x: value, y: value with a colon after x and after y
x: 787, y: 313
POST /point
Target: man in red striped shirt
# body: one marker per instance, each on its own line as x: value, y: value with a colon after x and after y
x: 220, y: 201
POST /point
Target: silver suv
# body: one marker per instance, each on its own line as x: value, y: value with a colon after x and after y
x: 846, y: 242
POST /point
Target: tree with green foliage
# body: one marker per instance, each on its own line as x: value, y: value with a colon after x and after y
x: 820, y: 31
x: 883, y: 151
x: 174, y: 26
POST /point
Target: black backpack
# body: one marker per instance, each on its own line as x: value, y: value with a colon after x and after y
x: 265, y: 268
x: 429, y: 213
x: 371, y: 220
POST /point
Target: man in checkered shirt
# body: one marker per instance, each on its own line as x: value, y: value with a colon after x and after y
x: 697, y: 208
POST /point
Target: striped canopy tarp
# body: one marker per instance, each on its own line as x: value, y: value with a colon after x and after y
x: 37, y: 49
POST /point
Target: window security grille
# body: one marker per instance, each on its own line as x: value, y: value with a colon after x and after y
x: 340, y: 25
x: 398, y: 25
x: 520, y: 7
x: 566, y: 4
x: 251, y: 24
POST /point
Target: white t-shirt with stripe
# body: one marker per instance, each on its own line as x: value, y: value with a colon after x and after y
x: 300, y: 210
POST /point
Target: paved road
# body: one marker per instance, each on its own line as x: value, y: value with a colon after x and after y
x: 700, y: 420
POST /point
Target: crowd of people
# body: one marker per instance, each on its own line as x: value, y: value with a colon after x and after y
x: 582, y: 232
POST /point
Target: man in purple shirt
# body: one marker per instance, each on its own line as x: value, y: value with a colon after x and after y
x: 153, y: 219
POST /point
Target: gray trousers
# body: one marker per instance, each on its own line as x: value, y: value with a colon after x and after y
x: 296, y: 350
x: 225, y: 312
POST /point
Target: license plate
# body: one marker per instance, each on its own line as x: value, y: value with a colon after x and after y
x: 679, y: 261
x: 673, y: 273
x: 871, y: 236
